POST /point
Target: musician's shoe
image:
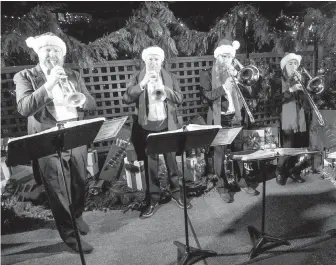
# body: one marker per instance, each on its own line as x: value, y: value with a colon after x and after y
x: 83, y: 227
x: 72, y: 243
x: 149, y: 211
x: 180, y: 204
x: 227, y: 196
x: 297, y: 178
x: 250, y: 191
x: 281, y: 179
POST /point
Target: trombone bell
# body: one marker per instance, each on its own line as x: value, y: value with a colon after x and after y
x: 316, y: 85
x: 249, y: 75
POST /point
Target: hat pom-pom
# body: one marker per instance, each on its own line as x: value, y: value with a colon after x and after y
x: 235, y: 45
x: 30, y: 42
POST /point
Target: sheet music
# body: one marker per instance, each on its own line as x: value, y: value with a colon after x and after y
x: 189, y: 128
x: 273, y: 153
x: 110, y: 129
x: 69, y: 124
x: 226, y: 136
x: 332, y: 155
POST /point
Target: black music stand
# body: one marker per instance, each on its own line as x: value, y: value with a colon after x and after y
x: 260, y: 238
x: 65, y: 136
x: 179, y: 142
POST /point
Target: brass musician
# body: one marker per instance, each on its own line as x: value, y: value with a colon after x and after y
x: 221, y: 92
x: 296, y: 114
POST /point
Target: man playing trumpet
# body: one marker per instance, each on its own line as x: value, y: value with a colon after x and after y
x: 225, y: 108
x: 156, y: 94
x: 39, y: 97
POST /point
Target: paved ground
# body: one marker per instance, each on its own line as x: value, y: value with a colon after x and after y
x: 296, y: 211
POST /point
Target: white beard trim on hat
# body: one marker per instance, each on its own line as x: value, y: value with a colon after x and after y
x: 230, y: 49
x: 152, y: 50
x: 288, y: 57
x: 45, y: 40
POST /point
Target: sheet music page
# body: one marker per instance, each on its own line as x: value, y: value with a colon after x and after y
x: 190, y: 128
x: 69, y: 124
x: 226, y: 136
x: 332, y: 155
x: 291, y: 151
x: 260, y: 154
x: 110, y: 129
x: 53, y: 129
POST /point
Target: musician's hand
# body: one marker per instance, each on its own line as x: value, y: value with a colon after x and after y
x: 296, y: 87
x: 150, y: 76
x: 56, y: 74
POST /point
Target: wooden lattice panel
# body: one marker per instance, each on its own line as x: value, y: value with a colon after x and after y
x: 12, y: 123
x: 107, y: 83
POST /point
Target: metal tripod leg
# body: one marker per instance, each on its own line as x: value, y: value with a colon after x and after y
x: 260, y: 238
x: 187, y: 255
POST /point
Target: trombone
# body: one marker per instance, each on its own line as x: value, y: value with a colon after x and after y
x: 315, y: 86
x: 247, y: 76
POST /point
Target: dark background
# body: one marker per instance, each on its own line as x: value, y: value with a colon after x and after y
x: 205, y: 11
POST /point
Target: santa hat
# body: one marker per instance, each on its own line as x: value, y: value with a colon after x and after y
x: 45, y: 39
x: 226, y: 46
x: 152, y: 50
x: 288, y: 57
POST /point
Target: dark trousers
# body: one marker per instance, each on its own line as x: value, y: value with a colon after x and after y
x: 291, y: 140
x: 151, y: 163
x: 75, y: 162
x: 218, y: 160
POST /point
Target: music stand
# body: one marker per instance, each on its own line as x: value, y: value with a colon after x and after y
x: 65, y: 136
x: 179, y: 141
x: 260, y: 238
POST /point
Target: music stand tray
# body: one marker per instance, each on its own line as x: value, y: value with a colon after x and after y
x: 179, y: 141
x: 63, y: 137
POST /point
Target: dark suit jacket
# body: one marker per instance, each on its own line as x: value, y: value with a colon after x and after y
x: 134, y: 94
x: 215, y: 98
x: 32, y: 97
x: 32, y: 101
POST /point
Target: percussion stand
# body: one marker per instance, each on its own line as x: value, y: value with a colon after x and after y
x: 260, y: 238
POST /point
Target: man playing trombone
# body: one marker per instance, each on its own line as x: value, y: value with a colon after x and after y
x: 220, y: 93
x: 41, y: 97
x: 156, y: 94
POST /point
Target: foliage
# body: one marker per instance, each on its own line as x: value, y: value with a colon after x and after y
x: 38, y: 20
x: 153, y: 23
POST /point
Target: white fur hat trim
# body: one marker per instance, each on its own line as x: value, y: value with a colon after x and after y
x: 288, y: 57
x: 230, y: 49
x: 40, y: 41
x: 152, y: 50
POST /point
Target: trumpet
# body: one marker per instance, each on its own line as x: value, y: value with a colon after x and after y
x: 315, y: 86
x: 247, y: 76
x: 72, y: 98
x: 158, y: 94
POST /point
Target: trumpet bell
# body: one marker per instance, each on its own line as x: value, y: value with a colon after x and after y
x: 159, y: 94
x: 75, y: 99
x: 316, y: 85
x: 248, y: 75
